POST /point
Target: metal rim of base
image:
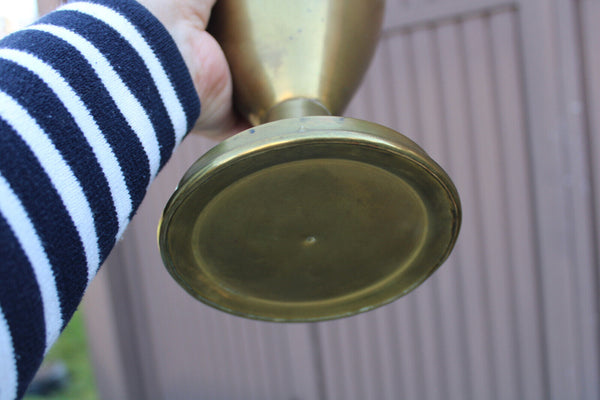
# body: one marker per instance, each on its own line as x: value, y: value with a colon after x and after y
x: 307, y: 138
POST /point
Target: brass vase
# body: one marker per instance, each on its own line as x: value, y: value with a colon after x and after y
x: 306, y: 216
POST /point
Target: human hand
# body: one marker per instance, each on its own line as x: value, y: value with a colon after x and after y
x: 186, y: 21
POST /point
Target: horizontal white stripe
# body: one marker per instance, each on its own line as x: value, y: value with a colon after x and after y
x: 60, y: 175
x: 130, y: 33
x: 129, y: 106
x: 101, y: 148
x: 23, y: 229
x: 8, y: 364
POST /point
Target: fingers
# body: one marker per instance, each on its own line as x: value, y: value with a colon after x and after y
x: 186, y: 21
x: 172, y: 12
x: 213, y: 82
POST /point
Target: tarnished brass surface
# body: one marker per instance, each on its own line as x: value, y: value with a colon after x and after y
x: 311, y: 216
x: 308, y: 219
x: 284, y: 49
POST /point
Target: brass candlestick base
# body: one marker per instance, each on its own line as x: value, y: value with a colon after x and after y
x: 308, y: 217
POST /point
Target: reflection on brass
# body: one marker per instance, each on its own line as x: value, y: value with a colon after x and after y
x: 307, y: 216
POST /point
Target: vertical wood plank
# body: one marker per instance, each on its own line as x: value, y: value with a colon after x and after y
x: 45, y: 6
x: 252, y: 387
x: 490, y: 170
x: 582, y: 235
x: 524, y: 279
x: 335, y: 386
x: 282, y: 369
x: 351, y: 361
x: 390, y: 354
x: 110, y: 376
x: 589, y: 31
x: 218, y: 367
x: 538, y: 28
x: 306, y: 359
x: 457, y: 103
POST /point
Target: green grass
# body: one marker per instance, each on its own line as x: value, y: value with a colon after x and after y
x: 71, y: 348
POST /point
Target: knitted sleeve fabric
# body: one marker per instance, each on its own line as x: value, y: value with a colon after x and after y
x: 94, y: 98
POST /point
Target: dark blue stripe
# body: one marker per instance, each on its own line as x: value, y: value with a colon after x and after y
x: 164, y: 47
x: 50, y: 114
x: 133, y: 71
x: 22, y: 306
x: 49, y: 216
x: 82, y: 78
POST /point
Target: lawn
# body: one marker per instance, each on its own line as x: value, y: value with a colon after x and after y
x: 71, y: 348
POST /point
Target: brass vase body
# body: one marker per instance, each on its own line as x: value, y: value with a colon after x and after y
x: 307, y: 216
x: 315, y: 50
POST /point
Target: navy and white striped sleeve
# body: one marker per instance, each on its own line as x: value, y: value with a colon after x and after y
x: 94, y: 98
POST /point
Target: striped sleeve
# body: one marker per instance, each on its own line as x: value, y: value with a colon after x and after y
x: 94, y: 98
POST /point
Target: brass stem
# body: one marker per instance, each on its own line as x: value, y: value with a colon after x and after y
x: 295, y: 108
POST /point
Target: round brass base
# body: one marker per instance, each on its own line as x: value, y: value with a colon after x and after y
x: 309, y: 219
